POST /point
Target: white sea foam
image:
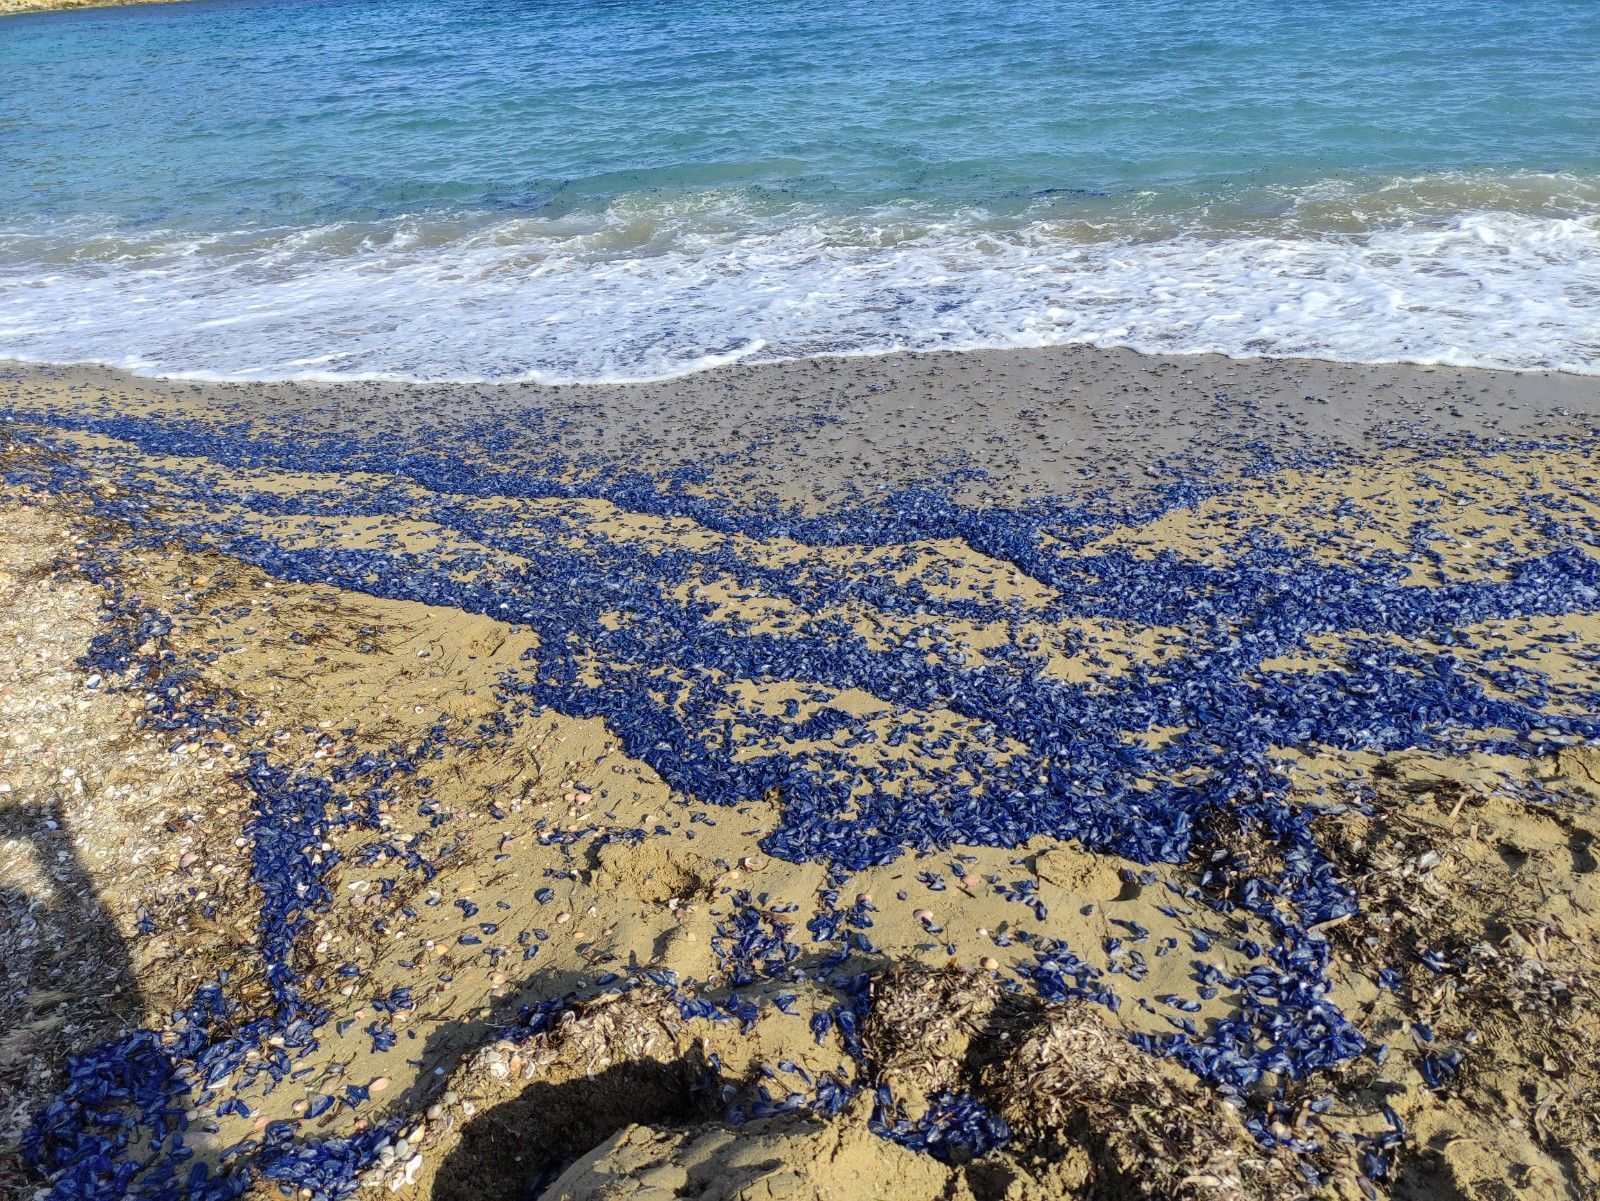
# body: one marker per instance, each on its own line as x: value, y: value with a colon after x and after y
x: 640, y: 291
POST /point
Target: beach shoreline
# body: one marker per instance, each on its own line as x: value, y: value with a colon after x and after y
x: 479, y: 739
x: 832, y: 602
x: 1032, y: 419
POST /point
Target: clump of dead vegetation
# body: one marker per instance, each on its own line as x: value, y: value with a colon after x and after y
x: 1478, y: 910
x: 1089, y: 1114
x: 929, y: 1032
x: 1079, y: 1096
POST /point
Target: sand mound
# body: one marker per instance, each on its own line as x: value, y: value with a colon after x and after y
x: 779, y: 1159
x: 952, y: 1060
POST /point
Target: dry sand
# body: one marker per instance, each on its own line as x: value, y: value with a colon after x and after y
x: 112, y: 825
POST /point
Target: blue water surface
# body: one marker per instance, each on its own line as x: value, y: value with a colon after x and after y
x: 216, y: 187
x: 288, y: 111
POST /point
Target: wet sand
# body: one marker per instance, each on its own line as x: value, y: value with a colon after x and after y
x: 555, y: 959
x: 1055, y: 420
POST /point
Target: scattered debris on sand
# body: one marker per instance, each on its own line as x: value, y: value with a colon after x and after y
x: 737, y: 864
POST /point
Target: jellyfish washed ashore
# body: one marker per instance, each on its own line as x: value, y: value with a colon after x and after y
x: 907, y: 682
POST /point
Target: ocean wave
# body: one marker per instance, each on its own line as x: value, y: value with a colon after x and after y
x: 651, y: 286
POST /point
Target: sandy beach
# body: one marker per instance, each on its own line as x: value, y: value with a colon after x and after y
x: 896, y: 602
x: 1006, y: 774
x: 16, y: 7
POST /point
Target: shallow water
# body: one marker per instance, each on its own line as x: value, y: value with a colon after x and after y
x: 617, y: 190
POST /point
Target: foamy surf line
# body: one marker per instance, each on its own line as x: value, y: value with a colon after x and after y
x: 519, y: 300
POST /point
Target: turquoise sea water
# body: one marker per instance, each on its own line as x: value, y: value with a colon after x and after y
x: 437, y: 189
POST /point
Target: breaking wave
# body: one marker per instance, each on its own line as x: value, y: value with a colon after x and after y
x: 653, y: 285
